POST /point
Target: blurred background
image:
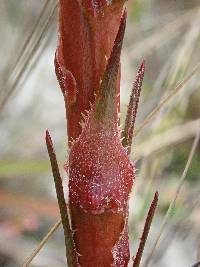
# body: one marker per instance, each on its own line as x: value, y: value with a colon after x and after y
x: 164, y: 33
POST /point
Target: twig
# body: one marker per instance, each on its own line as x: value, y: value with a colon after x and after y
x: 172, y: 204
x: 42, y: 243
x: 167, y: 99
x: 145, y: 233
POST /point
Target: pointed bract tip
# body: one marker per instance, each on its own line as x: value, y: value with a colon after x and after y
x: 48, y: 139
x: 114, y: 59
x: 47, y: 134
x: 132, y: 108
x: 156, y: 196
x: 141, y: 71
x: 116, y: 50
x: 124, y: 14
x: 143, y: 65
x: 107, y: 94
x: 122, y: 27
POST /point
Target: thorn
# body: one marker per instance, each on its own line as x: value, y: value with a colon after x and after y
x: 72, y: 141
x: 82, y: 124
x: 66, y: 167
x: 121, y: 139
x: 132, y: 108
x: 145, y: 233
x: 84, y: 116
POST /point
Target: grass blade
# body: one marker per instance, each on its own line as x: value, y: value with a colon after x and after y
x: 42, y: 243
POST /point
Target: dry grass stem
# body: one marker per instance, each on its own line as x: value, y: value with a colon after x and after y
x: 172, y: 204
x: 36, y: 58
x: 164, y: 140
x: 166, y: 33
x: 28, y: 40
x: 186, y: 47
x: 29, y: 57
x: 167, y: 99
x: 42, y: 243
x: 175, y: 67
